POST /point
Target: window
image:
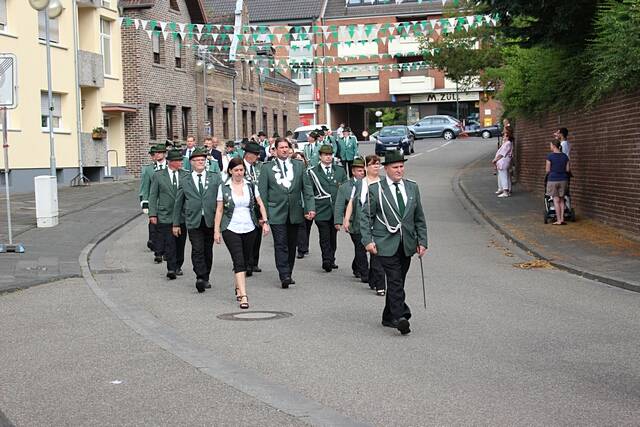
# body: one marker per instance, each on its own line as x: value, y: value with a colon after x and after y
x: 3, y: 14
x: 106, y: 3
x: 169, y: 120
x: 275, y: 122
x: 210, y: 119
x: 153, y: 115
x: 253, y: 122
x: 244, y: 124
x: 54, y: 33
x: 156, y: 43
x: 173, y: 5
x: 358, y: 74
x: 265, y: 125
x: 105, y: 44
x: 56, y: 113
x: 178, y: 51
x: 285, y: 123
x: 186, y: 115
x: 243, y: 70
x: 250, y: 69
x: 225, y: 122
x: 301, y: 72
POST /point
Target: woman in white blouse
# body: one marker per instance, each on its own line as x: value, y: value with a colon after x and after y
x: 236, y: 221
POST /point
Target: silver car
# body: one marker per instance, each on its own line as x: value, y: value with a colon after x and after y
x: 446, y: 127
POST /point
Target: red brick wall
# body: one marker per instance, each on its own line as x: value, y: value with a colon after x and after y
x: 605, y: 158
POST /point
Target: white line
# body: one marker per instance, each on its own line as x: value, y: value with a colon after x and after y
x: 433, y: 149
x: 416, y: 155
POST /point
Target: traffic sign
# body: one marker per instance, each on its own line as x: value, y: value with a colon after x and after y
x: 8, y: 81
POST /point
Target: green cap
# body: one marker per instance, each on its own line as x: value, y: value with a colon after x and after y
x: 161, y: 148
x: 358, y: 162
x: 152, y: 149
x: 174, y: 155
x: 198, y: 152
x: 326, y: 149
x: 394, y: 156
x: 252, y: 147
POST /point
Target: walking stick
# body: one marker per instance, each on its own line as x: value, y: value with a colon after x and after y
x: 424, y: 291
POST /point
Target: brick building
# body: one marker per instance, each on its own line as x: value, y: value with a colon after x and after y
x: 165, y: 76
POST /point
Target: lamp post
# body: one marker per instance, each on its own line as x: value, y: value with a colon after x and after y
x: 53, y: 10
x: 203, y: 64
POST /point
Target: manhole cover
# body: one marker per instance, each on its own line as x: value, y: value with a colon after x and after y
x: 255, y: 315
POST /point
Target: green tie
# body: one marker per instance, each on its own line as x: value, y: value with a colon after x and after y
x: 175, y: 179
x: 400, y: 199
x: 284, y: 167
x: 200, y: 187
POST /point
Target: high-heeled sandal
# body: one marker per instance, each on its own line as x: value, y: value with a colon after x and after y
x: 244, y: 305
x: 238, y: 297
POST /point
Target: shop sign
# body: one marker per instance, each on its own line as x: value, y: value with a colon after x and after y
x: 435, y: 97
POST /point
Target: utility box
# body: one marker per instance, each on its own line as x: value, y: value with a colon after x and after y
x: 46, y: 200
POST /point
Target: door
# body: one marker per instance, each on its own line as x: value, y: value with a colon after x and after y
x: 422, y: 127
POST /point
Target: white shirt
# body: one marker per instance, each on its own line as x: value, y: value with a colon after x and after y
x: 324, y: 168
x: 365, y: 189
x: 187, y: 153
x: 392, y: 187
x: 289, y: 174
x: 177, y: 171
x: 247, y: 168
x: 241, y: 221
x: 566, y: 148
x: 194, y: 176
x: 162, y: 163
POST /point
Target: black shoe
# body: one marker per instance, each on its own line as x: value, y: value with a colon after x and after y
x: 334, y: 266
x: 293, y: 282
x: 380, y: 292
x: 286, y: 282
x: 249, y: 273
x: 257, y: 269
x: 164, y: 257
x: 327, y: 267
x: 200, y: 285
x: 300, y: 256
x: 207, y: 285
x: 171, y: 275
x: 179, y: 272
x: 157, y: 259
x: 403, y: 326
x: 356, y: 274
x: 364, y: 279
x: 150, y: 245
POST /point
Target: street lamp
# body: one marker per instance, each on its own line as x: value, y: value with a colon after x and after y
x: 54, y: 9
x: 206, y: 67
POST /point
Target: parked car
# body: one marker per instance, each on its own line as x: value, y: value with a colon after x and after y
x: 446, y: 127
x: 474, y: 128
x: 397, y: 137
x: 300, y: 134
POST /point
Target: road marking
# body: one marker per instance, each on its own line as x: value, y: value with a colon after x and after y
x: 439, y: 147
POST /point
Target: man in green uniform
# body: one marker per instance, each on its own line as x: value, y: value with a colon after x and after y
x: 329, y: 139
x: 162, y: 198
x: 394, y: 228
x: 311, y: 150
x: 157, y: 153
x: 346, y: 193
x: 348, y: 148
x: 196, y: 200
x: 326, y: 179
x: 285, y: 189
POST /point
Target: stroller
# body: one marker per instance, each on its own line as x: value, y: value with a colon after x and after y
x: 549, y: 208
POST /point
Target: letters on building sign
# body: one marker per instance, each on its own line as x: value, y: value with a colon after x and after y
x: 444, y: 97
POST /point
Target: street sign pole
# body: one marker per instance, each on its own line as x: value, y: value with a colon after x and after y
x: 5, y: 147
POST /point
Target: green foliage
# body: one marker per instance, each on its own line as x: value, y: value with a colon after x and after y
x: 614, y: 53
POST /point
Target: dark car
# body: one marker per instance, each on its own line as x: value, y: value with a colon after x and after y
x: 445, y: 127
x: 395, y: 138
x: 474, y: 128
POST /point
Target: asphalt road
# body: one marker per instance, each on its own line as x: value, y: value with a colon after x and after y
x: 497, y: 345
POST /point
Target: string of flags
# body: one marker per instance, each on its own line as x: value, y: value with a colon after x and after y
x: 405, y: 66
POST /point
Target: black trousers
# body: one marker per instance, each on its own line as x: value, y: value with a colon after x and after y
x: 201, y: 239
x: 172, y: 246
x: 257, y: 242
x: 328, y: 241
x: 377, y: 276
x: 396, y: 268
x: 347, y: 166
x: 285, y: 239
x: 303, y: 236
x: 359, y: 264
x: 156, y: 239
x: 240, y: 246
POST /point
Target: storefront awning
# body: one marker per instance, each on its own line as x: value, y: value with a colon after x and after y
x: 119, y: 108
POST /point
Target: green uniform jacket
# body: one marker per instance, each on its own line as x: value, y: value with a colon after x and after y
x: 162, y: 197
x: 342, y: 199
x: 325, y: 190
x: 192, y: 204
x: 412, y: 229
x: 312, y: 154
x: 228, y: 205
x: 282, y: 202
x: 348, y: 148
x: 145, y: 181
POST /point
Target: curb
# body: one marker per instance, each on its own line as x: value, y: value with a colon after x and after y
x: 470, y: 200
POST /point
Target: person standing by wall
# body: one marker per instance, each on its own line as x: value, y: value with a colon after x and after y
x: 252, y: 168
x: 557, y: 167
x: 502, y: 163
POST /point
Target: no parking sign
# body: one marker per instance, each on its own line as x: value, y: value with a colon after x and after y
x: 8, y: 81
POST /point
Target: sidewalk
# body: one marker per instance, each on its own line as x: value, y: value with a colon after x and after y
x: 52, y: 253
x: 586, y: 247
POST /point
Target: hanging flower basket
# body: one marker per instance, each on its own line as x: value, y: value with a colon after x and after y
x: 99, y: 133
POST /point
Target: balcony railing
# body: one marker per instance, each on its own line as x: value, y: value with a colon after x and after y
x: 88, y: 3
x: 91, y: 69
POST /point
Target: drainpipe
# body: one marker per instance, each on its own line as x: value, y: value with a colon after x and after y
x: 234, y: 101
x: 76, y: 67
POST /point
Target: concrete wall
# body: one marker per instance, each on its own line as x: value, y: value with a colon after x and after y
x: 605, y: 158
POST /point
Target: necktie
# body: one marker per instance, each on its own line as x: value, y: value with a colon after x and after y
x: 328, y: 169
x: 200, y: 186
x: 400, y: 199
x: 175, y: 179
x: 284, y: 167
x: 189, y: 153
x: 252, y: 172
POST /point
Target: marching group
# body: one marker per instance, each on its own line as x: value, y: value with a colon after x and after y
x: 268, y: 185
